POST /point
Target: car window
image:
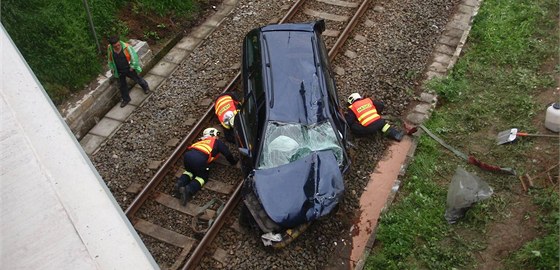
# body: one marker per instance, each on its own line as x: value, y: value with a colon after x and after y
x: 249, y: 119
x: 288, y: 142
x: 334, y: 107
x: 253, y: 62
x: 331, y: 86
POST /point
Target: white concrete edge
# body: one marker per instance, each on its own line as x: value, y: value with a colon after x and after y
x: 85, y: 198
x: 360, y: 264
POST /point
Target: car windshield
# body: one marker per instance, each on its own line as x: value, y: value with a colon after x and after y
x: 288, y: 142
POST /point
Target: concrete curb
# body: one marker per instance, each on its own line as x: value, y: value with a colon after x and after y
x: 445, y: 56
x: 83, y: 114
x: 106, y: 126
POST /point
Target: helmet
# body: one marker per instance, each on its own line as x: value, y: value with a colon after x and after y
x: 210, y: 132
x: 353, y: 97
x: 228, y: 119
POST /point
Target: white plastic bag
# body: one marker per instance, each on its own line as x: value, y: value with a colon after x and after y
x: 465, y: 189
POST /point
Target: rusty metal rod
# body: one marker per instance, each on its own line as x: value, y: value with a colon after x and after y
x: 177, y: 154
x: 344, y: 36
x: 213, y: 231
x: 156, y: 180
x: 198, y: 253
x: 292, y: 11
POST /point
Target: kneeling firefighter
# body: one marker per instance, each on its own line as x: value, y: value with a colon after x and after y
x: 197, y: 160
x: 364, y: 118
x: 225, y: 109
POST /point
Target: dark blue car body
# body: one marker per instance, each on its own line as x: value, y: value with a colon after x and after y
x: 290, y: 127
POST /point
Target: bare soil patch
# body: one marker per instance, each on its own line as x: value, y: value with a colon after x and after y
x: 520, y: 225
x: 158, y: 30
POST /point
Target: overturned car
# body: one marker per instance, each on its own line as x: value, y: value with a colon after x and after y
x: 290, y: 130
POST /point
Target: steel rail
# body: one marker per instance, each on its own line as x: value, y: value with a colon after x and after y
x: 344, y: 36
x: 175, y: 156
x: 293, y: 10
x: 159, y: 176
x: 213, y: 231
x: 198, y: 253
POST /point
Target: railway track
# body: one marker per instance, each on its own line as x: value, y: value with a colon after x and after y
x: 187, y: 232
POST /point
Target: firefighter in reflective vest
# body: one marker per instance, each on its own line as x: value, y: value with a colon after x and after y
x: 364, y: 118
x: 197, y: 160
x: 225, y: 108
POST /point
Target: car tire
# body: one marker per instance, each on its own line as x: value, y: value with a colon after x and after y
x: 246, y: 219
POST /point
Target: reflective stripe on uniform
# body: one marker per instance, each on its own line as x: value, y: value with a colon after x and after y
x: 368, y: 116
x: 385, y: 128
x: 189, y: 174
x: 200, y: 180
x: 365, y: 111
x: 222, y: 101
x: 223, y: 105
x: 205, y: 146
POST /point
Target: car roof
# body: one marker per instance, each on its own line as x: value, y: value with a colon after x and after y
x: 297, y: 92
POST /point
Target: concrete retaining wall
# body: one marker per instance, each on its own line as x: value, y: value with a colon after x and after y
x: 85, y: 113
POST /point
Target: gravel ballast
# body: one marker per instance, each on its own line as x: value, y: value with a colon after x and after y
x: 393, y: 43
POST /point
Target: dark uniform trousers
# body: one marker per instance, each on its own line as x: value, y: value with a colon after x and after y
x: 124, y: 87
x: 196, y: 163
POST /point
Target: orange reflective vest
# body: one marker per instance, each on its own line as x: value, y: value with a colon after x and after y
x: 365, y: 111
x: 223, y: 105
x: 126, y: 53
x: 129, y: 53
x: 205, y: 146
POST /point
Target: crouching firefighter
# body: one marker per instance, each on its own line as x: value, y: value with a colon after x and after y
x: 225, y: 109
x: 197, y: 160
x: 364, y: 118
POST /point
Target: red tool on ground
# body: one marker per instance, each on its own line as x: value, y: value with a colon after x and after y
x: 470, y: 159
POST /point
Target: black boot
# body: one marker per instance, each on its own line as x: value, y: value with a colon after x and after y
x: 186, y: 195
x: 177, y: 190
x: 395, y: 134
x: 182, y: 181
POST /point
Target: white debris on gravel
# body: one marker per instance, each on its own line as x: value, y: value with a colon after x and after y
x: 399, y: 39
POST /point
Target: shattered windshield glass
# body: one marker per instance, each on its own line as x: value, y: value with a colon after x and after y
x: 286, y: 142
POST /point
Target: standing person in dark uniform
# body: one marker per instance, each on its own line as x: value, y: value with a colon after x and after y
x: 225, y: 109
x: 123, y: 62
x: 363, y: 117
x: 197, y: 160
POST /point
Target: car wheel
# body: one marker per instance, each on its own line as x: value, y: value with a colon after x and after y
x: 246, y: 219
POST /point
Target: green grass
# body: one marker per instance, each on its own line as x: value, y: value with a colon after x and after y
x: 541, y: 253
x: 61, y: 50
x: 491, y: 88
x: 168, y: 7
